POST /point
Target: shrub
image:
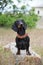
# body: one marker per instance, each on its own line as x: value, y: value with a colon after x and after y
x: 29, y: 19
x: 8, y: 19
x: 2, y: 20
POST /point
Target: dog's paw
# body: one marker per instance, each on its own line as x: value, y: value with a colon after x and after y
x: 18, y: 53
x: 28, y: 53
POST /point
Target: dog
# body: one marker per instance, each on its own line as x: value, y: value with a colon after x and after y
x: 22, y: 38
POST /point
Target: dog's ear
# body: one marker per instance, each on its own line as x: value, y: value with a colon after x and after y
x: 14, y: 26
x: 24, y: 24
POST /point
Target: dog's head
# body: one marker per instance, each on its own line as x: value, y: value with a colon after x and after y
x: 19, y: 24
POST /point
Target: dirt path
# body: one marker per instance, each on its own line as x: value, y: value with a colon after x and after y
x: 40, y: 23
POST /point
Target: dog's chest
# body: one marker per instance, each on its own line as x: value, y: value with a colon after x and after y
x: 23, y: 40
x: 21, y: 31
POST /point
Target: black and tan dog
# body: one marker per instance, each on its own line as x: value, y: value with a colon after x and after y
x: 22, y: 39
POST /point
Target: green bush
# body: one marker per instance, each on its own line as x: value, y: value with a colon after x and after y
x: 2, y: 20
x: 29, y: 19
x: 8, y: 19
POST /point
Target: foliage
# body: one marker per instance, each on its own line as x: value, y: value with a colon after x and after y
x: 19, y: 1
x: 15, y: 9
x: 4, y: 3
x: 23, y: 8
x: 7, y: 20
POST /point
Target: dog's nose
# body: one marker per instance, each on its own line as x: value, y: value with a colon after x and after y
x: 19, y: 26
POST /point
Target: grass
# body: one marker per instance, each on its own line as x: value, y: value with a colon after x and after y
x: 6, y: 57
x: 38, y: 49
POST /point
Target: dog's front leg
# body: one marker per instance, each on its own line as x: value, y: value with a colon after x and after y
x: 18, y: 52
x: 28, y: 52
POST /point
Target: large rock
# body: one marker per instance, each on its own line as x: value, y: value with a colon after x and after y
x: 23, y: 59
x: 28, y: 60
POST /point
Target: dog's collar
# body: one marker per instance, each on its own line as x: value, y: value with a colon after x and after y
x: 23, y: 36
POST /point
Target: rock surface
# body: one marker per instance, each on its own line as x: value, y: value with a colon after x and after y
x: 28, y: 60
x: 23, y: 59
